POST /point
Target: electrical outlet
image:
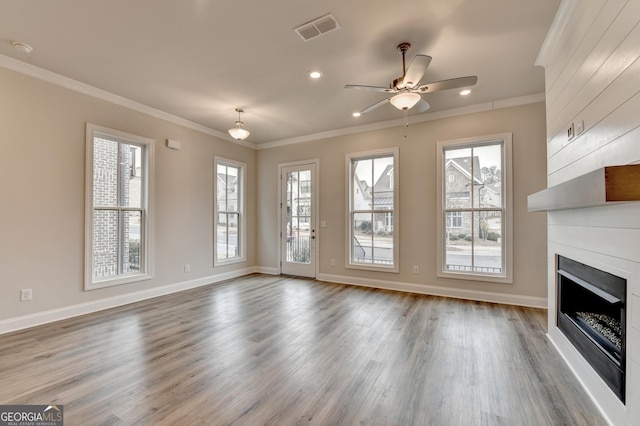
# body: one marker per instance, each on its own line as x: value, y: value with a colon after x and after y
x: 570, y: 132
x: 333, y: 262
x: 416, y: 269
x: 187, y: 268
x: 26, y: 294
x: 579, y: 127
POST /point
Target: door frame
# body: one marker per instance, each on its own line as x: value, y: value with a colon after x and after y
x: 315, y: 197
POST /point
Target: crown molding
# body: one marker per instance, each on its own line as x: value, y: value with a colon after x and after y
x: 558, y: 27
x: 431, y: 116
x: 71, y: 84
x: 77, y: 86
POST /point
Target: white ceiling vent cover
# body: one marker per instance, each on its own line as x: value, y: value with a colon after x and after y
x: 317, y: 27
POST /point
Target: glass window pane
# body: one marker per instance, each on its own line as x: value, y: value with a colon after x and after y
x: 221, y: 235
x: 457, y: 181
x: 383, y: 239
x: 221, y: 187
x: 383, y: 183
x: 488, y: 170
x: 362, y: 243
x: 131, y: 175
x: 131, y: 241
x: 228, y: 210
x: 233, y: 188
x: 458, y: 243
x: 105, y: 243
x: 362, y: 184
x: 487, y: 253
x: 232, y: 236
x: 105, y: 173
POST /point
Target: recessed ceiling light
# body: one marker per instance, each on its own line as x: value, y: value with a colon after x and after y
x: 315, y: 74
x: 465, y: 92
x: 22, y: 47
x: 356, y: 114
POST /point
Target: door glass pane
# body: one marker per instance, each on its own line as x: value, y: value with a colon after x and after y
x: 487, y: 253
x: 458, y: 241
x: 131, y: 241
x: 105, y: 243
x: 298, y: 222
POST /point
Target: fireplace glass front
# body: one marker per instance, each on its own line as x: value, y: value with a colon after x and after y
x: 591, y: 314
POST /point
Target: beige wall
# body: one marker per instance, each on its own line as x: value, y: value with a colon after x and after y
x: 42, y: 172
x: 417, y: 145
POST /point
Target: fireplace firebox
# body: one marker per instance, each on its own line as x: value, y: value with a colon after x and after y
x: 591, y: 314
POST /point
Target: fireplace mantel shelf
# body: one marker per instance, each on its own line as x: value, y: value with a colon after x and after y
x: 603, y: 186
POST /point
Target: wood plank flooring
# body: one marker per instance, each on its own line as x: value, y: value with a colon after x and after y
x: 286, y: 351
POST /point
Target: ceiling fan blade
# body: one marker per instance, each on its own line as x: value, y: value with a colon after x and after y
x: 416, y: 71
x: 422, y: 105
x: 374, y: 106
x: 454, y: 83
x: 369, y: 88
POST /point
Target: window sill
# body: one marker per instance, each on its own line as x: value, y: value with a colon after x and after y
x: 229, y: 261
x: 500, y: 279
x: 389, y: 269
x: 129, y: 279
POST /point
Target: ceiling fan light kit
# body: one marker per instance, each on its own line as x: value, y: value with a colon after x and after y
x: 405, y: 101
x: 406, y: 90
x: 238, y: 132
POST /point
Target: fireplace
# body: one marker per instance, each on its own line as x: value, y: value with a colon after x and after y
x: 591, y: 314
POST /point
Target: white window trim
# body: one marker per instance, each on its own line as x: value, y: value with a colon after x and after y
x: 507, y: 242
x: 242, y: 257
x: 395, y: 152
x: 147, y: 254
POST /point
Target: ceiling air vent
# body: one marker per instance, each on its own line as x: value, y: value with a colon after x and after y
x: 317, y: 27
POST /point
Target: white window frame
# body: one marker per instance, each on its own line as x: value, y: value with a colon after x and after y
x: 146, y: 226
x: 507, y: 208
x: 242, y: 168
x: 395, y: 179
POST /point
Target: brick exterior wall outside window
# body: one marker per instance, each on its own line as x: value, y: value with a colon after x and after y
x: 112, y: 188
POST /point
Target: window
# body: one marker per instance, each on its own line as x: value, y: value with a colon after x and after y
x: 373, y: 210
x: 474, y: 200
x: 229, y: 227
x: 118, y: 199
x: 454, y: 219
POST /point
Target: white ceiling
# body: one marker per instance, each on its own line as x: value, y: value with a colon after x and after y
x: 200, y: 59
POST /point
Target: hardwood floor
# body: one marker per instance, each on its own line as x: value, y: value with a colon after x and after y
x: 286, y: 351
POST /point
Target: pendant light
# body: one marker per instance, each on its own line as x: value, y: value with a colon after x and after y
x: 238, y: 132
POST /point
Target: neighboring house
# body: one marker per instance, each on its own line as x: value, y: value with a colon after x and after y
x: 227, y: 184
x: 459, y: 185
x: 376, y: 197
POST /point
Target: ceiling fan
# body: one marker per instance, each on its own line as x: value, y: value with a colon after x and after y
x: 407, y: 89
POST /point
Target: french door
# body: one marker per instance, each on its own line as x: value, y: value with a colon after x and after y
x: 298, y: 220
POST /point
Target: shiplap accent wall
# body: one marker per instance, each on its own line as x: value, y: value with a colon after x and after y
x: 592, y: 68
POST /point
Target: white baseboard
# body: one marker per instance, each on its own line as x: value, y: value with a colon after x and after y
x: 19, y: 323
x: 481, y: 296
x: 39, y: 318
x: 266, y: 270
